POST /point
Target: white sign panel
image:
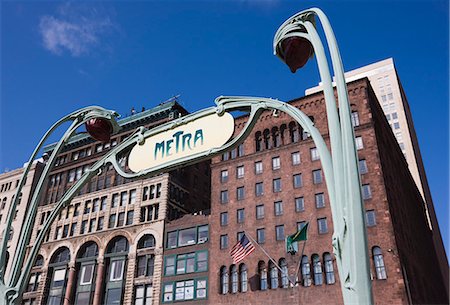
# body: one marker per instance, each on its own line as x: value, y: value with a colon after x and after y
x: 198, y: 136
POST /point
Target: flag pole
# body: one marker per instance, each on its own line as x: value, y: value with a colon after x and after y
x: 303, y: 249
x: 267, y: 254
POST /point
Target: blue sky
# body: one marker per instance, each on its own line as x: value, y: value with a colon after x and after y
x: 60, y: 56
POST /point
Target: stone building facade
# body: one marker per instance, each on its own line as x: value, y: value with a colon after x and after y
x: 106, y: 246
x: 9, y: 182
x: 276, y: 185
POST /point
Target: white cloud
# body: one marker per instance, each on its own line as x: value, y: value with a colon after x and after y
x: 76, y: 30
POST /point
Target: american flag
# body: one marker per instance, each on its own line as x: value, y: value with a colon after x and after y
x: 240, y: 250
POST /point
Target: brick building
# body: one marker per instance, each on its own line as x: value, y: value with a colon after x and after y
x: 275, y: 184
x: 106, y: 247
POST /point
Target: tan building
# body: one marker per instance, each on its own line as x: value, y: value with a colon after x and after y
x: 8, y: 186
x: 106, y: 247
x: 389, y: 91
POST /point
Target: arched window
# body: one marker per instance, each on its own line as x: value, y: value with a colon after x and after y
x: 258, y: 141
x: 146, y: 241
x: 329, y: 270
x: 283, y: 128
x: 305, y: 134
x: 284, y: 273
x: 223, y: 280
x: 306, y: 272
x: 244, y: 277
x: 86, y: 273
x: 266, y: 135
x: 262, y: 275
x: 276, y: 137
x: 116, y: 256
x: 379, y: 263
x: 317, y: 267
x: 58, y: 275
x: 273, y: 275
x: 293, y: 132
x: 234, y: 279
x: 39, y: 262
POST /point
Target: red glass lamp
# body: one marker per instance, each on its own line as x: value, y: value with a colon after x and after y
x: 100, y: 129
x: 295, y: 51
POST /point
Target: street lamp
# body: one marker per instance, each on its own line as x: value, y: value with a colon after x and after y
x: 294, y: 43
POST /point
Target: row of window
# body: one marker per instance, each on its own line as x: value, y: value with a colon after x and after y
x: 193, y: 289
x: 297, y: 183
x: 186, y: 263
x: 85, y: 152
x: 234, y: 153
x: 187, y: 237
x: 151, y: 192
x: 7, y: 186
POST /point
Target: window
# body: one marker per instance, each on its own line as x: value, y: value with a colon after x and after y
x: 278, y: 208
x: 117, y: 267
x: 260, y: 211
x: 306, y: 272
x: 259, y: 189
x: 317, y: 267
x: 370, y: 218
x: 130, y: 216
x: 355, y: 119
x: 284, y: 273
x: 240, y: 172
x: 224, y: 218
x: 123, y: 198
x: 225, y: 156
x: 100, y: 223
x: 295, y: 158
x: 87, y: 274
x: 83, y: 228
x: 314, y: 154
x: 234, y: 279
x: 112, y: 221
x: 317, y: 176
x: 300, y: 225
x: 329, y: 272
x: 115, y: 200
x: 92, y: 225
x: 320, y: 200
x: 121, y: 219
x: 273, y: 271
x: 299, y: 204
x: 379, y: 263
x: 224, y: 280
x: 394, y: 115
x: 240, y: 215
x: 184, y: 290
x: 276, y: 163
x: 362, y: 166
x: 224, y: 176
x: 187, y: 237
x: 279, y: 232
x: 143, y: 295
x: 396, y: 125
x: 322, y: 225
x: 366, y: 192
x: 243, y: 277
x: 277, y: 185
x: 240, y: 150
x: 298, y: 180
x: 258, y: 167
x: 223, y: 241
x: 359, y: 143
x: 224, y: 196
x: 145, y: 265
x: 33, y: 283
x: 261, y: 235
x: 132, y: 197
x: 240, y: 193
x: 262, y: 275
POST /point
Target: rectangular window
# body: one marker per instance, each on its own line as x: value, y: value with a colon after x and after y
x: 240, y: 172
x: 83, y: 228
x: 260, y: 211
x: 172, y: 239
x: 276, y: 185
x: 370, y: 218
x: 359, y: 143
x: 100, y: 223
x: 258, y: 167
x: 224, y: 176
x: 121, y: 219
x: 240, y: 193
x: 201, y: 261
x: 187, y: 237
x: 116, y: 270
x: 295, y: 158
x: 223, y: 241
x: 261, y: 235
x: 112, y: 221
x: 123, y: 198
x: 320, y: 200
x: 169, y: 266
x: 92, y: 225
x: 65, y: 232
x: 259, y: 189
x: 240, y: 150
x: 203, y: 233
x: 224, y: 218
x: 396, y: 125
x: 279, y: 232
x: 130, y: 216
x: 87, y: 272
x: 144, y: 295
x: 300, y: 225
x: 299, y: 204
x: 366, y: 192
x: 240, y: 215
x: 239, y: 235
x: 362, y: 166
x: 276, y: 163
x: 394, y: 115
x: 132, y: 196
x: 314, y: 154
x: 103, y: 203
x: 224, y: 196
x: 278, y: 207
x: 73, y: 228
x: 87, y: 207
x: 115, y: 200
x: 322, y: 225
x: 297, y: 180
x: 355, y: 119
x: 317, y: 176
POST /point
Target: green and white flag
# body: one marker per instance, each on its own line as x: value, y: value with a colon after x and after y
x: 291, y: 240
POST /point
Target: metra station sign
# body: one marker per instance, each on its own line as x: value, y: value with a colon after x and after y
x: 198, y: 136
